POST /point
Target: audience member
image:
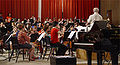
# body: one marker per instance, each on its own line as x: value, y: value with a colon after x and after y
x: 1, y: 18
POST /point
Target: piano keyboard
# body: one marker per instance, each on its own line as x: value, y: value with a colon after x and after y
x: 84, y: 44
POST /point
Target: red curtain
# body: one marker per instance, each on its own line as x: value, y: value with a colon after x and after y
x: 56, y: 8
x: 51, y: 8
x: 19, y: 8
x: 79, y: 8
x: 45, y: 9
x: 71, y: 8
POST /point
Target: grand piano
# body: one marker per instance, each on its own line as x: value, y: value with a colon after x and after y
x: 100, y: 40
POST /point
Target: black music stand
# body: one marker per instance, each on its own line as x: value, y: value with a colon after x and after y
x: 71, y: 24
x: 66, y: 34
x: 71, y: 38
x: 78, y: 20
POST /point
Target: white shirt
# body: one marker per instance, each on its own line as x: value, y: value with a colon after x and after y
x: 94, y: 17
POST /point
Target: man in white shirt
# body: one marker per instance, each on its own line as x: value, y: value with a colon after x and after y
x: 94, y: 17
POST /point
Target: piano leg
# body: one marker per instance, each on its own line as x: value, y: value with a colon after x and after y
x: 99, y: 58
x: 114, y: 57
x: 89, y: 56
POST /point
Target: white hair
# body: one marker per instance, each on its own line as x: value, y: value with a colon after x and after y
x: 95, y: 10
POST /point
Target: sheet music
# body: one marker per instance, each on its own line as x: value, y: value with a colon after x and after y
x: 71, y: 34
x: 41, y: 36
x: 80, y: 28
x: 89, y: 28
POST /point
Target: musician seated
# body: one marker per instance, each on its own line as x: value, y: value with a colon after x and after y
x: 118, y: 25
x: 1, y: 18
x: 3, y: 29
x: 71, y: 21
x: 43, y: 33
x: 24, y: 41
x: 47, y: 20
x: 54, y: 40
x: 34, y: 35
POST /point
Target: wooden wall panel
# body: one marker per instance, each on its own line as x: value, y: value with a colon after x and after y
x: 113, y: 5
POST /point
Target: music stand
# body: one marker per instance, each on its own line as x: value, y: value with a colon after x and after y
x: 82, y: 24
x: 71, y: 24
x: 78, y: 20
x: 66, y: 34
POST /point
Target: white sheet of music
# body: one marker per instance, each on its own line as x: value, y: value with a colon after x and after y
x: 89, y: 28
x: 41, y: 36
x: 76, y: 35
x: 71, y: 34
x: 79, y: 30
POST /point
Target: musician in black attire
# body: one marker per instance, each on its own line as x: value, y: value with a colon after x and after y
x: 1, y: 18
x: 25, y: 20
x: 36, y: 23
x: 3, y: 29
x: 112, y: 34
x: 105, y: 40
x: 32, y: 19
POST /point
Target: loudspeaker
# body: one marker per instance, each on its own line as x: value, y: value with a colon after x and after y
x: 62, y: 60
